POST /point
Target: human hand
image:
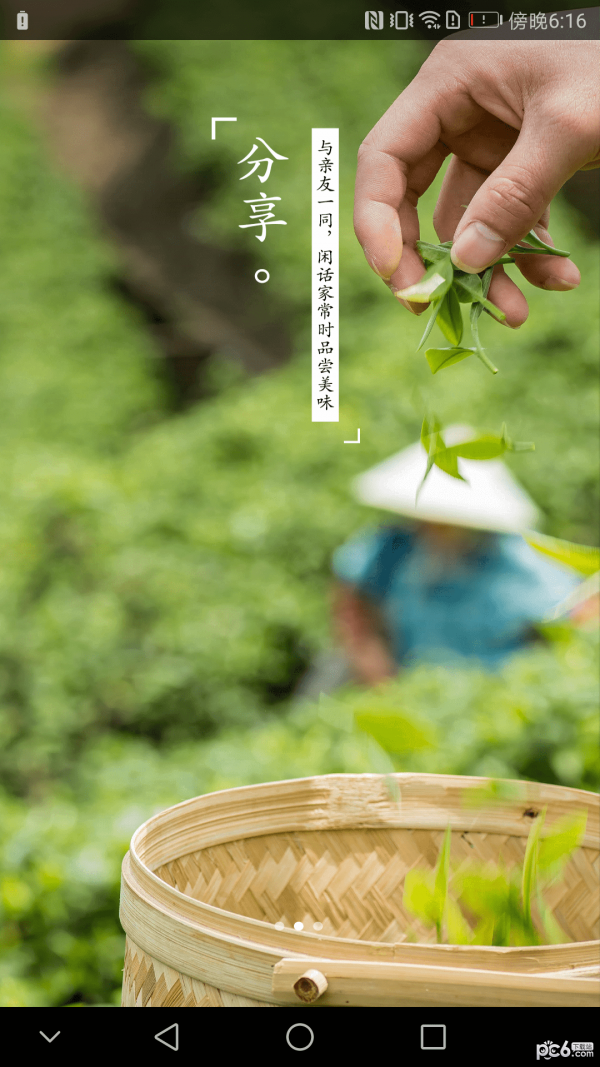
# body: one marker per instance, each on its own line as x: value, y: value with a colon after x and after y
x: 519, y: 119
x: 358, y: 634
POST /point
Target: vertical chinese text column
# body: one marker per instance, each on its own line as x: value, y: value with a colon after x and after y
x: 325, y: 275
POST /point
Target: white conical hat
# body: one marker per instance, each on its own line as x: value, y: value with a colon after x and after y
x: 492, y: 499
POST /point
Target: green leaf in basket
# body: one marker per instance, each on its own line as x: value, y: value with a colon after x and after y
x: 484, y: 932
x: 555, y: 849
x: 457, y: 928
x: 432, y: 286
x: 441, y: 881
x: 555, y: 934
x: 440, y: 358
x: 418, y: 897
x: 449, y: 318
x: 530, y: 864
x: 582, y: 558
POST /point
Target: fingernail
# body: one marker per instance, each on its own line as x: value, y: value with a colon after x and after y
x: 386, y: 274
x: 476, y: 248
x: 559, y: 285
x: 405, y: 303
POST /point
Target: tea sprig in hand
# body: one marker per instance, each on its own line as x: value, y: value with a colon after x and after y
x: 446, y: 287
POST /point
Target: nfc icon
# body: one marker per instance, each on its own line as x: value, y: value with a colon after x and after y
x: 373, y: 20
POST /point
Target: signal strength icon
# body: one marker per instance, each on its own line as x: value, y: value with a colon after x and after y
x: 430, y: 19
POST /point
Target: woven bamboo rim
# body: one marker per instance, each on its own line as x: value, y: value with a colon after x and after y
x: 258, y: 842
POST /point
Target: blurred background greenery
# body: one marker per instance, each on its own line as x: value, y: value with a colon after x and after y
x: 168, y: 515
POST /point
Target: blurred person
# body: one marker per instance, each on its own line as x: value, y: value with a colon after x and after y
x: 519, y: 118
x: 453, y: 578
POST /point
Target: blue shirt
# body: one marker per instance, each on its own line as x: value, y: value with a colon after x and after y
x: 483, y: 605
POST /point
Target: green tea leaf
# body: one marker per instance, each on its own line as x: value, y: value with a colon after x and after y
x: 394, y: 732
x: 457, y: 928
x: 469, y: 290
x: 530, y: 864
x: 476, y: 310
x: 484, y: 932
x: 441, y: 880
x: 431, y: 253
x: 430, y: 324
x: 430, y: 427
x: 485, y: 447
x: 555, y: 849
x: 449, y: 318
x: 439, y: 358
x: 582, y: 558
x: 467, y: 287
x: 555, y: 935
x: 418, y: 897
x: 432, y: 286
x: 432, y: 441
x: 536, y: 244
x: 447, y: 460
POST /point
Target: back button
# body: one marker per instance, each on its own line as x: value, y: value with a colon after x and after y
x: 172, y: 1041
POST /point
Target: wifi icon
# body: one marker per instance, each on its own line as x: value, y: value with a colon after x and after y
x: 430, y: 19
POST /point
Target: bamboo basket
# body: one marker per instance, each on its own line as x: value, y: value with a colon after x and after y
x: 213, y: 888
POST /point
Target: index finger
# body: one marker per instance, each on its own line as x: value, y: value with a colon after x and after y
x: 397, y: 162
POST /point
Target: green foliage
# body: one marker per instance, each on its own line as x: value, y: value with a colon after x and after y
x: 499, y: 901
x: 536, y: 718
x: 582, y: 558
x: 484, y: 447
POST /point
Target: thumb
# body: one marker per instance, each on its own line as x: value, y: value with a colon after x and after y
x: 514, y: 197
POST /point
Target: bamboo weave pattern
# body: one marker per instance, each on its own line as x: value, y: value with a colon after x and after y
x: 148, y: 983
x: 351, y: 881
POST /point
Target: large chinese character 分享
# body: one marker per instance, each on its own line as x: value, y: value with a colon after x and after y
x: 262, y: 211
x: 257, y: 162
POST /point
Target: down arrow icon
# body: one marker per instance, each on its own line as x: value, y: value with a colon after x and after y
x: 49, y: 1039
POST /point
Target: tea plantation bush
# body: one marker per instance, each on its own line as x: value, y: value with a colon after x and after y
x: 165, y: 576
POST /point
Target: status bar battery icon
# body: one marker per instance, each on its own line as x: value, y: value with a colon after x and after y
x: 22, y: 20
x: 484, y: 20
